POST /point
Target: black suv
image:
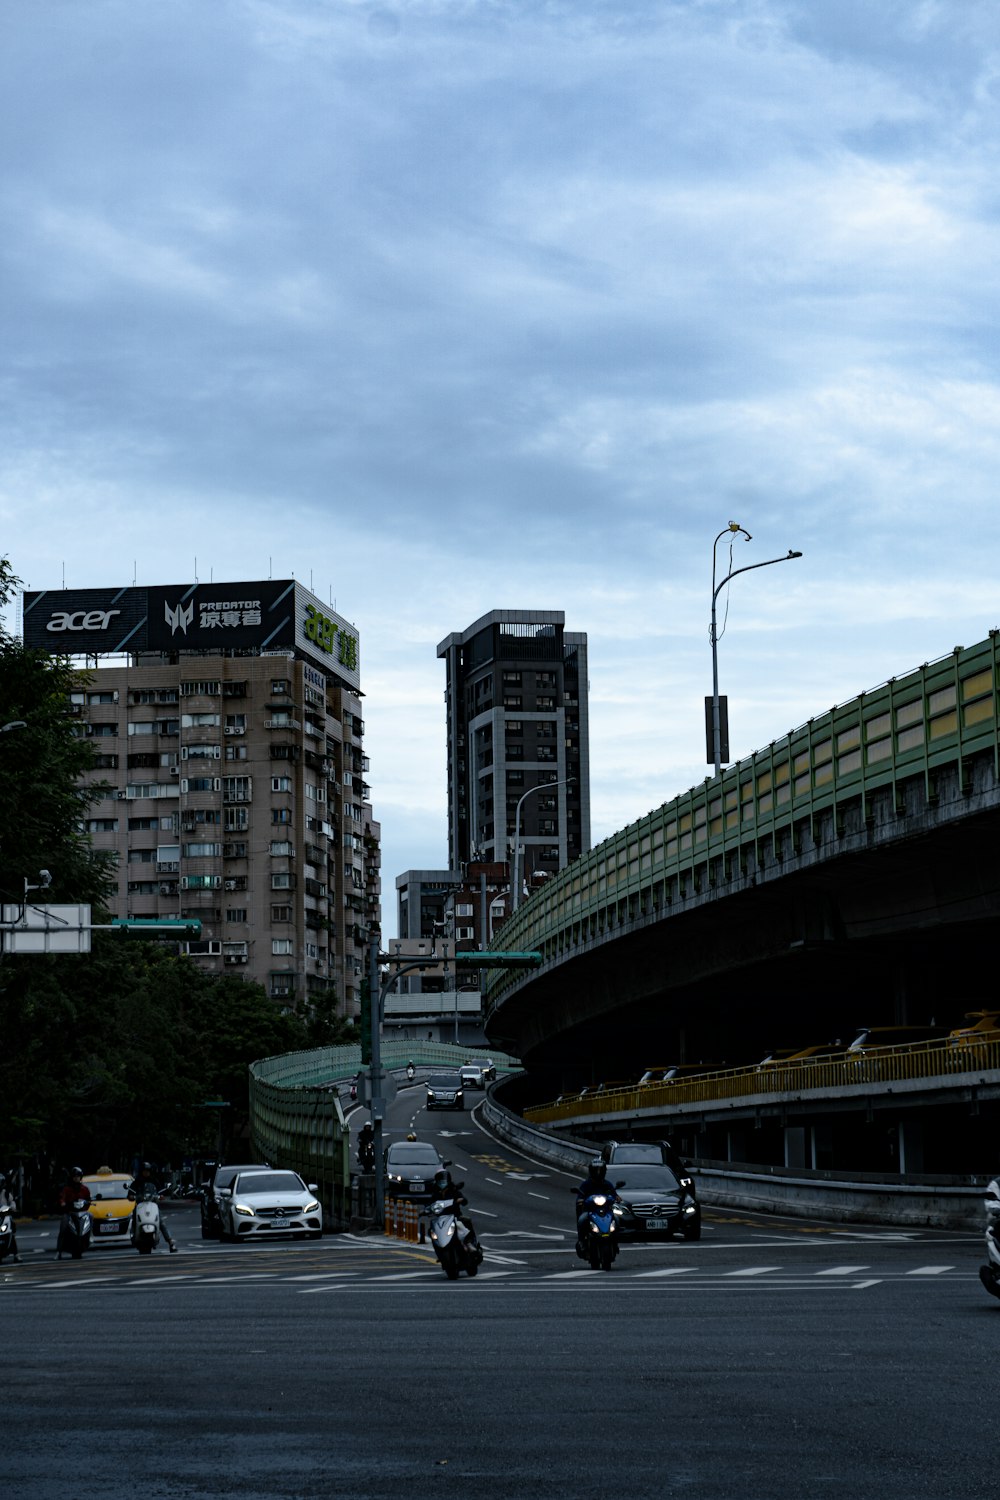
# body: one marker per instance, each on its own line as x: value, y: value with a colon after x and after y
x: 658, y: 1153
x: 211, y: 1221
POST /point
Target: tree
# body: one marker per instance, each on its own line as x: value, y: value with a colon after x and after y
x: 42, y: 763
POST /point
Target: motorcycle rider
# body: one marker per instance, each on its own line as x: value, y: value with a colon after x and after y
x: 72, y: 1192
x: 366, y: 1147
x: 596, y: 1181
x: 449, y: 1192
x: 74, y: 1189
x: 139, y: 1187
x: 8, y: 1205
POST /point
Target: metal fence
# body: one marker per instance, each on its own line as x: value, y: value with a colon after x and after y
x: 915, y: 1061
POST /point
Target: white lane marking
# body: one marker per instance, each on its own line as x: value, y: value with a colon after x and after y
x: 930, y: 1270
x: 495, y: 1181
x: 754, y: 1271
x: 842, y: 1271
x: 77, y: 1281
x: 405, y: 1275
x: 559, y: 1228
x: 323, y: 1276
x: 492, y: 1275
x: 156, y: 1280
x: 544, y: 1196
x: 672, y: 1271
x: 859, y: 1286
x: 565, y: 1275
x: 484, y: 1213
x: 344, y: 1286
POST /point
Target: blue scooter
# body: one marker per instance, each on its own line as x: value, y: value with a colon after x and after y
x: 598, y: 1241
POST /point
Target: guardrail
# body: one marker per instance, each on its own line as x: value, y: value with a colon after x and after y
x: 920, y: 1060
x: 844, y: 1197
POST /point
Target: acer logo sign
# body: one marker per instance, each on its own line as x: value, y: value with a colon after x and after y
x: 82, y: 619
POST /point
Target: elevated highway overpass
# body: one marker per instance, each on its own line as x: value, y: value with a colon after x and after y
x: 844, y: 875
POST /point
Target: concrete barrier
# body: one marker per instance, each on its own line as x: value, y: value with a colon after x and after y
x: 848, y: 1198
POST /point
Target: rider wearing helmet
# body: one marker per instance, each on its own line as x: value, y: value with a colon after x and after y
x: 596, y: 1181
x: 9, y: 1206
x: 74, y: 1189
x: 450, y: 1192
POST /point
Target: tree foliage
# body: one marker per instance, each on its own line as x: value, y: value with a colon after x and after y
x: 42, y: 761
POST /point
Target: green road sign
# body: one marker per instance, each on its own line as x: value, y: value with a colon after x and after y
x: 168, y: 927
x: 497, y: 960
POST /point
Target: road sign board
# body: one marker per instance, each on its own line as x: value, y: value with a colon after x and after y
x: 46, y: 929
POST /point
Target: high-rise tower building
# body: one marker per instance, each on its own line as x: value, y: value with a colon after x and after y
x: 226, y: 721
x: 518, y: 743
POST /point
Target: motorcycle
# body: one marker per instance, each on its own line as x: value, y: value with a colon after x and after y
x: 7, y: 1241
x: 410, y: 1070
x: 144, y: 1226
x: 74, y: 1230
x: 989, y: 1274
x: 452, y: 1240
x: 598, y: 1237
x: 354, y: 1091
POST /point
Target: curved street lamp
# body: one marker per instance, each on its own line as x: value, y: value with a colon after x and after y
x: 515, y: 884
x: 733, y: 529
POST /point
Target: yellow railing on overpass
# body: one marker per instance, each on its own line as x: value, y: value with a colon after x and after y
x: 932, y: 720
x: 922, y: 1060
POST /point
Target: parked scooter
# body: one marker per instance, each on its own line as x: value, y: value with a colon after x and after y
x: 989, y: 1274
x: 74, y: 1230
x: 451, y: 1239
x: 144, y: 1226
x: 598, y: 1242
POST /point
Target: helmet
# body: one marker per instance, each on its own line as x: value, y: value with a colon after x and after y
x: 596, y: 1170
x: 411, y: 1135
x: 146, y: 1167
x: 441, y: 1180
x: 76, y: 1171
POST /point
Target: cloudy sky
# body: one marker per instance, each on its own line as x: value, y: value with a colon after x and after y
x: 453, y: 305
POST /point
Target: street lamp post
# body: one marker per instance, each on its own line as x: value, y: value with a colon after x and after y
x: 515, y: 887
x: 733, y: 529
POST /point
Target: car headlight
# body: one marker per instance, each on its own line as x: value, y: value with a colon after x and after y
x: 241, y: 1208
x: 618, y: 1211
x: 395, y: 1177
x: 689, y: 1208
x: 311, y: 1207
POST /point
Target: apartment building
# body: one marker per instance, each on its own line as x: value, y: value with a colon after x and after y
x: 227, y: 726
x: 518, y: 743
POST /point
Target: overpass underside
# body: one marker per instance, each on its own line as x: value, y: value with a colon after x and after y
x: 737, y: 919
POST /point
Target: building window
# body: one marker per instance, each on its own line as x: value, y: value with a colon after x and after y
x: 202, y: 851
x: 280, y: 686
x: 281, y: 783
x: 236, y: 913
x: 236, y: 752
x: 283, y: 847
x: 281, y: 815
x: 283, y: 882
x: 237, y: 819
x: 281, y: 945
x: 102, y: 825
x: 200, y: 689
x: 281, y: 913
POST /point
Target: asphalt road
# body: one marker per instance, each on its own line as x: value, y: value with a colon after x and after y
x: 771, y: 1359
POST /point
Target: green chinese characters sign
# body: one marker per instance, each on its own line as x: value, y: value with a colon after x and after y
x: 331, y: 638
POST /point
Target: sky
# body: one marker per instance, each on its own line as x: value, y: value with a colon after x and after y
x: 444, y: 306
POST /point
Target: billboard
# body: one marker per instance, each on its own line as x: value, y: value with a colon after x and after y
x: 268, y: 615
